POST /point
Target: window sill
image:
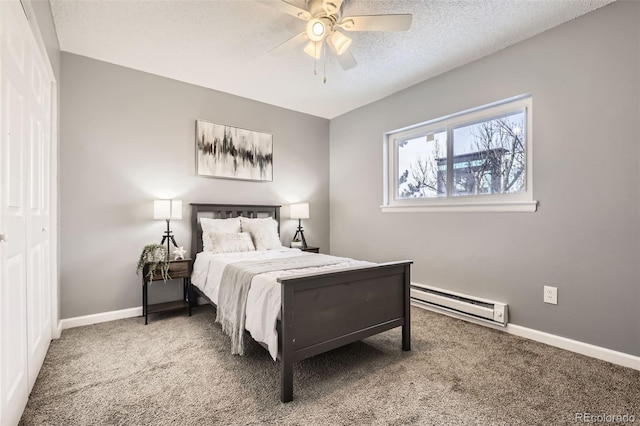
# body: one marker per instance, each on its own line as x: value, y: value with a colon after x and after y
x: 495, y: 207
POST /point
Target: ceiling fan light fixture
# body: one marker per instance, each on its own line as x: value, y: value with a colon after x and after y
x: 316, y: 29
x: 313, y: 49
x: 340, y: 42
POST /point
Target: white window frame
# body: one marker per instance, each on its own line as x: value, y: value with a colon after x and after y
x: 520, y: 202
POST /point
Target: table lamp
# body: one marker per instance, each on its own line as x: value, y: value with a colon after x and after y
x: 167, y: 210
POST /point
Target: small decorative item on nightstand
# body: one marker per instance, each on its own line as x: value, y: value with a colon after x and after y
x: 153, y: 256
x: 178, y: 253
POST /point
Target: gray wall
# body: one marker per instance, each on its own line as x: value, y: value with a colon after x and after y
x: 127, y: 138
x: 584, y: 78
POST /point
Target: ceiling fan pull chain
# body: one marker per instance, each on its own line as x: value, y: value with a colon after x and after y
x: 315, y: 58
x: 324, y: 61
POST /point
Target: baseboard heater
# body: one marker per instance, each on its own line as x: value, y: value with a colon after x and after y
x: 460, y: 304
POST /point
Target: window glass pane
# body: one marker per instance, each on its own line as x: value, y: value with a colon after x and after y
x: 422, y: 166
x: 489, y: 157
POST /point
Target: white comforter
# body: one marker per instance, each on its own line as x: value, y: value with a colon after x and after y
x: 263, y: 302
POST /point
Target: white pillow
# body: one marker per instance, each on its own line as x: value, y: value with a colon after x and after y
x: 264, y: 232
x: 225, y: 226
x: 230, y: 243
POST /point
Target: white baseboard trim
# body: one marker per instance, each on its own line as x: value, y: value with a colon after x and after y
x: 615, y: 357
x: 105, y: 316
x: 57, y: 330
x: 98, y: 318
x: 593, y: 351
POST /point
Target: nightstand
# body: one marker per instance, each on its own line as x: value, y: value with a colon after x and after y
x: 177, y: 269
x: 311, y: 249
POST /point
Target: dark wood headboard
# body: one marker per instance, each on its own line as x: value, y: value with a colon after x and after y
x: 224, y: 211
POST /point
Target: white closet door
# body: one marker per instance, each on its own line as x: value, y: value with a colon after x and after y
x: 14, y: 65
x: 38, y: 217
x: 25, y: 255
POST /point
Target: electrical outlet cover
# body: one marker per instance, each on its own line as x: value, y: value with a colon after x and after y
x: 551, y: 295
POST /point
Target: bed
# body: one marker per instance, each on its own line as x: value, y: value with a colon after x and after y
x: 319, y: 311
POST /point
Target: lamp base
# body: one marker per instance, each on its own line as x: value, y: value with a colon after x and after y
x: 299, y: 232
x: 168, y: 237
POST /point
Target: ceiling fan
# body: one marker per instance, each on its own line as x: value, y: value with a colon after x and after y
x: 325, y: 24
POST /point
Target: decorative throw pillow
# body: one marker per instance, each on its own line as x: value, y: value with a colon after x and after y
x: 264, y: 232
x: 225, y: 226
x: 230, y: 243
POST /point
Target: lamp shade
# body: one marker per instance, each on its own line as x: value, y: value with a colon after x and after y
x: 299, y: 211
x: 167, y: 209
x: 313, y: 49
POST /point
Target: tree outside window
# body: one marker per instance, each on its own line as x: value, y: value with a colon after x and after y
x: 489, y: 157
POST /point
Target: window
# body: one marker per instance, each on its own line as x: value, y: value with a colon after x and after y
x: 476, y: 160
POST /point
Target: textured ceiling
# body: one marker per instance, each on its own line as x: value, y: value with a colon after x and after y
x: 223, y: 44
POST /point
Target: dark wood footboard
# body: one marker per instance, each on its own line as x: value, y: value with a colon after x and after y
x: 321, y: 312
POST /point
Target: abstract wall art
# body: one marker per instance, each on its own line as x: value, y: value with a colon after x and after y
x: 233, y: 153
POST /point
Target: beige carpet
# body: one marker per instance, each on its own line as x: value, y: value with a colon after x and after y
x: 178, y: 370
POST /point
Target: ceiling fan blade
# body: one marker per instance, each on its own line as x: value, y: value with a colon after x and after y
x: 346, y: 60
x: 376, y: 23
x: 331, y: 7
x: 289, y: 44
x: 287, y: 8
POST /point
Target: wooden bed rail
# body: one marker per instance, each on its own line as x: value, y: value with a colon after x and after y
x: 321, y: 312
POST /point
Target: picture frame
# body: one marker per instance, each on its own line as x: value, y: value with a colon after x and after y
x: 229, y: 152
